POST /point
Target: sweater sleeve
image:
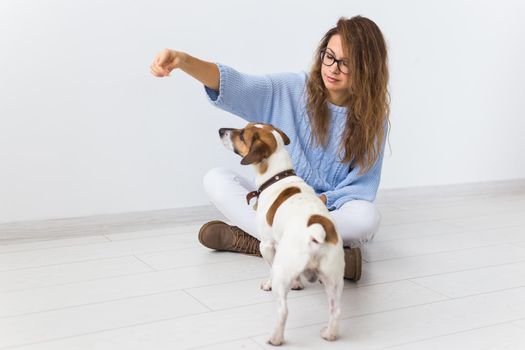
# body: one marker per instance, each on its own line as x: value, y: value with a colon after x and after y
x: 251, y: 97
x: 356, y: 186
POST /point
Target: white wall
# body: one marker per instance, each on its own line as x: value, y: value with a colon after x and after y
x: 85, y: 129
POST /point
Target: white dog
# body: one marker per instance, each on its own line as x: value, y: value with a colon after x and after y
x: 297, y: 234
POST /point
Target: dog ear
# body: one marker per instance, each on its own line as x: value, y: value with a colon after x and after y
x: 258, y: 151
x: 283, y: 135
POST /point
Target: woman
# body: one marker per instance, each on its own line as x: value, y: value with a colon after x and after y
x: 336, y: 118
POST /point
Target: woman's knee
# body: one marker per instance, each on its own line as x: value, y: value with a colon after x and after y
x: 372, y: 213
x: 213, y: 181
x: 371, y: 222
x: 361, y: 221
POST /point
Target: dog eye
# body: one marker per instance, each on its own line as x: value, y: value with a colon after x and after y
x: 241, y: 136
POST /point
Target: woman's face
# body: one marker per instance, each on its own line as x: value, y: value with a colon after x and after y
x: 336, y: 82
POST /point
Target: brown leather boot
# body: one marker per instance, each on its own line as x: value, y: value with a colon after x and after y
x: 353, y: 263
x: 220, y: 236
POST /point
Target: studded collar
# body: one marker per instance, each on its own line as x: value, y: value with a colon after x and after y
x: 271, y: 181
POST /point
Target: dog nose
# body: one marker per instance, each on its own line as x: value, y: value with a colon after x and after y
x: 222, y: 131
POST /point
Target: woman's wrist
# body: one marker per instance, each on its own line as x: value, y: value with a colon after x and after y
x: 183, y: 59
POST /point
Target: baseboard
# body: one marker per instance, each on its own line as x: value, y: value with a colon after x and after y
x: 16, y: 232
x: 464, y: 190
x: 100, y: 224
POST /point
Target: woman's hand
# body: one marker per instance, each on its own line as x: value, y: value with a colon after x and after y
x: 166, y: 61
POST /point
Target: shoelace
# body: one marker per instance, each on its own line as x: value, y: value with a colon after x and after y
x: 245, y: 243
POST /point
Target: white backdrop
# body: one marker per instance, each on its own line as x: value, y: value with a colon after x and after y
x: 85, y: 129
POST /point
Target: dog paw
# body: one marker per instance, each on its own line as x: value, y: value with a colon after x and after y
x: 297, y: 285
x: 328, y: 334
x: 266, y: 285
x: 276, y: 340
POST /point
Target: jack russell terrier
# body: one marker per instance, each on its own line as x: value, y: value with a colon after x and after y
x: 297, y: 235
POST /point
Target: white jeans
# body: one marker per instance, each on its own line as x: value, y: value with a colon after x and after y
x: 356, y: 221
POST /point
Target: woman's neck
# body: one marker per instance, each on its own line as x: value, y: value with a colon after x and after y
x: 338, y: 99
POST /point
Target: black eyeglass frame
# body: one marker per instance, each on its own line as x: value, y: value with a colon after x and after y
x: 334, y: 60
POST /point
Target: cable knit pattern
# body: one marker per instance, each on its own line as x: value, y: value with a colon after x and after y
x: 280, y: 100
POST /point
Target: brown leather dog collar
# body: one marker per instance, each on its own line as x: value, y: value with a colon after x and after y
x: 271, y: 181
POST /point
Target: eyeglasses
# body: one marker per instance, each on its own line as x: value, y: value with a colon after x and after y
x: 328, y: 59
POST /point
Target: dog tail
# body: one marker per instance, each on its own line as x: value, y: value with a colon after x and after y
x: 323, y: 230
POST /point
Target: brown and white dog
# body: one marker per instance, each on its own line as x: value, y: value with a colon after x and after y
x: 297, y: 235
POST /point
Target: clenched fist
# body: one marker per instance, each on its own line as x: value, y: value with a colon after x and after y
x: 166, y: 61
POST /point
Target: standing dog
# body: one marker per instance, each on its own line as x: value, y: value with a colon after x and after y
x: 297, y: 234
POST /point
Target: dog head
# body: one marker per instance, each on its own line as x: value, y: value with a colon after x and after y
x: 254, y: 143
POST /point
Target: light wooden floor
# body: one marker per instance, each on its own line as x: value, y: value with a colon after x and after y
x: 446, y: 271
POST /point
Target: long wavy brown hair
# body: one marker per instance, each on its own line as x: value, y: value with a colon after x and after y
x: 368, y: 102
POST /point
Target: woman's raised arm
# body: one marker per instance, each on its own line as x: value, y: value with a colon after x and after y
x: 168, y: 60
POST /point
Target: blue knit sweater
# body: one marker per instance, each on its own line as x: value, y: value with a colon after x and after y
x: 280, y: 100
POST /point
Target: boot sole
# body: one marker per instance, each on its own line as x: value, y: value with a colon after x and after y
x: 358, y: 265
x: 357, y: 262
x: 204, y: 227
